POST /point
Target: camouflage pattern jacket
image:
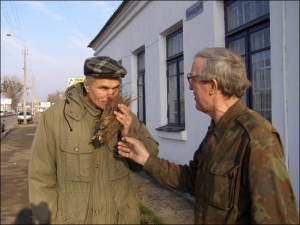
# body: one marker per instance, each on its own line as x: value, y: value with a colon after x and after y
x: 238, y: 174
x: 71, y: 182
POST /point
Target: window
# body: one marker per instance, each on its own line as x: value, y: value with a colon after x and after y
x: 141, y: 113
x: 175, y: 79
x: 248, y: 34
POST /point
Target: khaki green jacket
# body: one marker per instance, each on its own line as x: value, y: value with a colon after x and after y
x: 71, y: 182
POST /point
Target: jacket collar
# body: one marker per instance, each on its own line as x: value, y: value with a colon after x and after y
x: 78, y: 105
x: 232, y: 113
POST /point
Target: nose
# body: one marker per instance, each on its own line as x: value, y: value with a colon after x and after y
x: 110, y: 93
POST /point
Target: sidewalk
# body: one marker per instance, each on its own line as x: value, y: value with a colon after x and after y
x: 171, y: 206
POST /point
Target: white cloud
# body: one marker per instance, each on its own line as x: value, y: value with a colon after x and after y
x: 42, y: 7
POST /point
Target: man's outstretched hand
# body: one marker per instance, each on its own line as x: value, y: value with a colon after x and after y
x: 133, y: 149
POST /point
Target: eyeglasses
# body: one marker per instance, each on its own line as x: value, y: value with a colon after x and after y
x: 190, y: 78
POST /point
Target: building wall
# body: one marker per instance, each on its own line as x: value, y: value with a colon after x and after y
x: 144, y: 25
x: 284, y: 28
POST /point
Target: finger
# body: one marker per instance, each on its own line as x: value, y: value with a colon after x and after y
x: 130, y: 140
x: 123, y: 118
x: 119, y: 118
x: 124, y: 154
x: 124, y: 149
x: 123, y: 108
x: 123, y: 144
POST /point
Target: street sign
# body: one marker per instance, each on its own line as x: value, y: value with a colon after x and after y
x: 72, y: 81
x: 6, y: 101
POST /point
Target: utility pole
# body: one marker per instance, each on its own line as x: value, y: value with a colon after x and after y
x: 25, y: 91
x: 33, y: 97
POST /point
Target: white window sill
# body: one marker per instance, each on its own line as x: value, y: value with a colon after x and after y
x: 180, y: 136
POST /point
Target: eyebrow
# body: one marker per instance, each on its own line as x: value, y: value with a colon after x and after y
x: 107, y: 87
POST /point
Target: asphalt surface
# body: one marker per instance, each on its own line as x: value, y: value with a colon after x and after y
x: 173, y: 207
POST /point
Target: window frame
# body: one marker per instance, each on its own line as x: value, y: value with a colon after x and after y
x: 171, y: 60
x: 245, y: 31
x: 141, y: 73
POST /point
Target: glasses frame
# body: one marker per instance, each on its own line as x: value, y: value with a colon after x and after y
x: 189, y: 77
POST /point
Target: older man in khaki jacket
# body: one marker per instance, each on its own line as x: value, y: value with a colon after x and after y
x: 75, y: 177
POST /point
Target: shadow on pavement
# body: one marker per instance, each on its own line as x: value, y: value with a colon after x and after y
x: 24, y: 217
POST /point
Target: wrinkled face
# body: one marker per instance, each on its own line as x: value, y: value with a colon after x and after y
x: 100, y: 90
x: 201, y: 90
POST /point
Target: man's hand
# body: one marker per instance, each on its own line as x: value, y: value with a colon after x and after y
x: 133, y: 149
x: 124, y: 118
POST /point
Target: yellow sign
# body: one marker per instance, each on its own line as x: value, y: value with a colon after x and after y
x: 72, y: 81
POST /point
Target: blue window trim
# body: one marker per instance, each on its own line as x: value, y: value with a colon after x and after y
x: 174, y: 127
x: 176, y: 60
x: 141, y: 73
x: 245, y: 31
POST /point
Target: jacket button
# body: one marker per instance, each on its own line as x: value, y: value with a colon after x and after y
x: 96, y: 165
x: 97, y: 211
x: 64, y: 218
x: 127, y: 206
x: 76, y: 149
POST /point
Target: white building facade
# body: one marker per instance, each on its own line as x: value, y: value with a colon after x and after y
x: 157, y: 40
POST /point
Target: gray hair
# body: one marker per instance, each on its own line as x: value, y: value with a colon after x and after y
x: 89, y: 80
x: 227, y: 68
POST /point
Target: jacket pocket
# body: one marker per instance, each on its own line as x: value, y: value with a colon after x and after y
x: 72, y: 207
x: 223, y: 184
x: 78, y: 158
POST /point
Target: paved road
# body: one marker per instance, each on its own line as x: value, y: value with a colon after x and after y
x: 171, y: 206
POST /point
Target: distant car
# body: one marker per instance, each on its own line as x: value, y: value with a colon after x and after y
x: 2, y: 126
x: 21, y: 117
x: 2, y: 113
x: 8, y: 113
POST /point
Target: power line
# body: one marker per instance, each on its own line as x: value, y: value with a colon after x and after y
x: 70, y: 22
x: 18, y: 23
x: 14, y: 16
x: 6, y: 14
x: 74, y: 18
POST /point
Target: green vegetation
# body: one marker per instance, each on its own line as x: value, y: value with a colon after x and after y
x: 148, y: 217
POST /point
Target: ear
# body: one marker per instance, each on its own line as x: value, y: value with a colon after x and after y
x: 87, y: 88
x: 214, y: 86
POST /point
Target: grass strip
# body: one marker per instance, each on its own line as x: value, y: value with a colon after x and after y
x: 148, y: 217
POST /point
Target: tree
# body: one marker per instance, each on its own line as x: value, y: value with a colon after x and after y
x: 55, y: 97
x: 12, y: 87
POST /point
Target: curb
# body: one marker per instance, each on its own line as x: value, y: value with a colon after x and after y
x: 6, y: 131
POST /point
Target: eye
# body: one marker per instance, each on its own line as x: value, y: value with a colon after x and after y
x: 103, y: 88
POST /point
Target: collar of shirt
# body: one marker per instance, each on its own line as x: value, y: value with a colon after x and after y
x: 232, y: 113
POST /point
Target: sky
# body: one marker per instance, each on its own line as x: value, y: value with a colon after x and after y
x: 55, y: 34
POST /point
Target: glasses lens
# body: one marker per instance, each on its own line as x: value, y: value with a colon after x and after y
x: 189, y: 76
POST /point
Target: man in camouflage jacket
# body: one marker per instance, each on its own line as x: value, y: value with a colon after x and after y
x: 73, y: 179
x: 238, y: 174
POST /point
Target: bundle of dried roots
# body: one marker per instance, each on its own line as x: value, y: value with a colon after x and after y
x: 109, y: 125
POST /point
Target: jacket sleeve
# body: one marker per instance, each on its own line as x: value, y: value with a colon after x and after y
x: 42, y: 174
x: 140, y: 131
x: 180, y: 177
x: 271, y: 192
